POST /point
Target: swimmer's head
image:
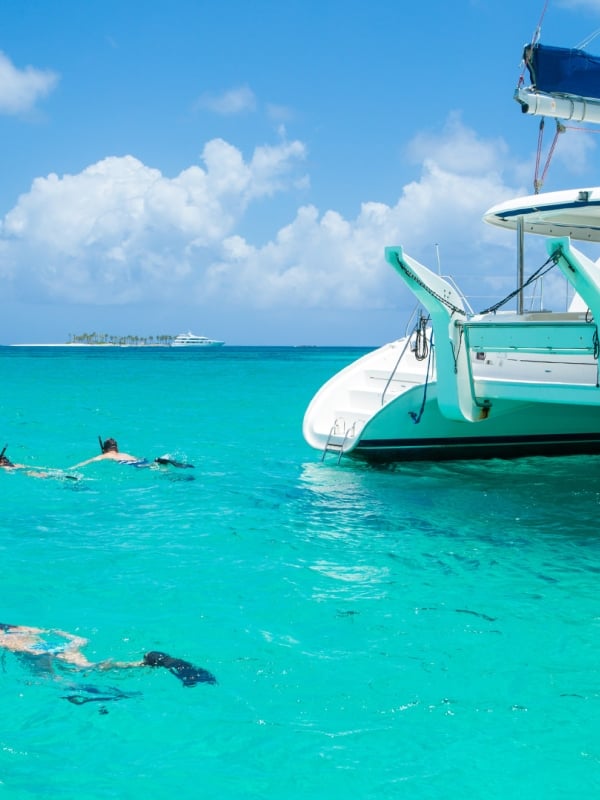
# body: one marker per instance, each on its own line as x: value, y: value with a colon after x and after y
x: 4, y: 461
x: 110, y: 445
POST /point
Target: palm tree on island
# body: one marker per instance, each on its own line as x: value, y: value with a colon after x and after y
x: 129, y: 340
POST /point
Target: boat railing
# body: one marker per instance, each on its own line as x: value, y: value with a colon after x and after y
x: 537, y: 295
x: 410, y: 322
x: 469, y: 311
x: 396, y: 365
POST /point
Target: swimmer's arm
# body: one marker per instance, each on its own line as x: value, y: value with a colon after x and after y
x: 85, y: 463
x: 110, y: 664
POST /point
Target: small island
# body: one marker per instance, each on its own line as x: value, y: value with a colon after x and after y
x: 109, y: 339
x: 112, y: 340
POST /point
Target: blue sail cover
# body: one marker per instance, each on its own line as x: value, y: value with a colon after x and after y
x: 563, y: 71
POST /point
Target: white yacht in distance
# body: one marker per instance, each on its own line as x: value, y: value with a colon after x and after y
x: 497, y: 383
x: 190, y: 339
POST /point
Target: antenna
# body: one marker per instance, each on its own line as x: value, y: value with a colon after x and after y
x: 437, y: 255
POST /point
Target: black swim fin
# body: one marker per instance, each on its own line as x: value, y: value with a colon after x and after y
x: 187, y: 673
x: 165, y: 460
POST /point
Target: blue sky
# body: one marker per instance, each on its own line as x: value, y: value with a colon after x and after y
x: 237, y: 168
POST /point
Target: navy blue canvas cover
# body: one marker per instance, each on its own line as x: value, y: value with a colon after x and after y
x: 564, y: 71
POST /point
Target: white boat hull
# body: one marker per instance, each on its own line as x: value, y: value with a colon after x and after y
x: 197, y: 344
x: 516, y: 429
x: 359, y: 414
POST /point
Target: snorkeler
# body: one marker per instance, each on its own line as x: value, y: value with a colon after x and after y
x: 110, y: 451
x: 6, y: 463
x: 45, y: 645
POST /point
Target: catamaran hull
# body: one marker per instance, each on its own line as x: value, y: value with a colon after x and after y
x: 516, y: 430
x: 384, y: 408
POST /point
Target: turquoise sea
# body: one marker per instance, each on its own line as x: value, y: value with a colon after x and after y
x: 416, y: 631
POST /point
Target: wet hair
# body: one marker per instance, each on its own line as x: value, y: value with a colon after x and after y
x: 110, y: 445
x: 187, y: 673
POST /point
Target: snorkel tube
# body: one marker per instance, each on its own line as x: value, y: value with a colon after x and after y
x: 4, y: 461
x: 100, y: 443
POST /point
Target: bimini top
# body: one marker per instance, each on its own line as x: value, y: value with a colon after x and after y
x: 574, y: 213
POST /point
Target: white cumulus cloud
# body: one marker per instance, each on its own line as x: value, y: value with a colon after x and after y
x: 121, y: 231
x: 21, y: 89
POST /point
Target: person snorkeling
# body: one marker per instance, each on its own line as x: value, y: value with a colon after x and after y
x: 49, y: 645
x: 6, y: 463
x: 110, y: 452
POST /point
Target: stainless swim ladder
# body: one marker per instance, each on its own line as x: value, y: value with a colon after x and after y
x: 338, y: 447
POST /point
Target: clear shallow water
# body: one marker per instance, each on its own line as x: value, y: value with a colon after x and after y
x: 421, y: 631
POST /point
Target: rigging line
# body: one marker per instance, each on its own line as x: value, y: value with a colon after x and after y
x: 537, y: 181
x: 579, y: 128
x: 456, y: 353
x: 586, y: 42
x: 549, y: 264
x: 538, y: 155
x: 538, y: 30
x: 534, y: 40
x: 416, y: 417
x: 421, y: 345
x: 560, y: 128
x: 596, y: 352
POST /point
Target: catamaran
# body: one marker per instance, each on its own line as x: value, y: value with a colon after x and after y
x: 498, y: 383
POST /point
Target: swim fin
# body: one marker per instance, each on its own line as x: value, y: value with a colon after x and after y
x: 165, y: 460
x: 187, y: 673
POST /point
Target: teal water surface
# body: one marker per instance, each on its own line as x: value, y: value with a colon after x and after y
x: 416, y: 631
